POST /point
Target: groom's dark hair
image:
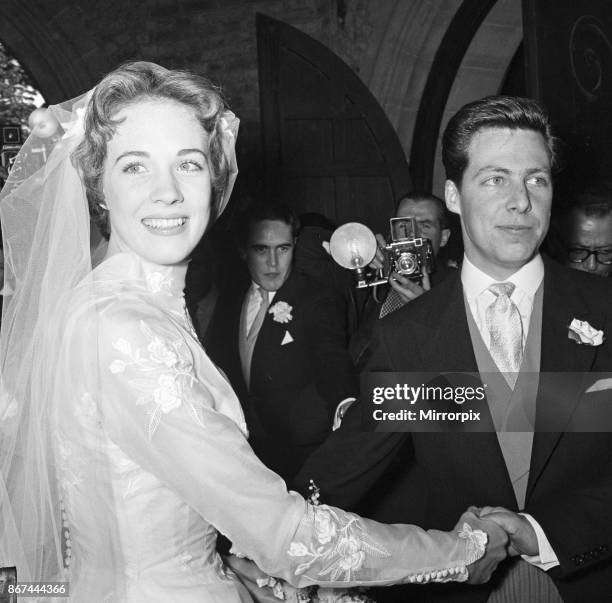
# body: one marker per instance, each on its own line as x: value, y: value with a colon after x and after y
x: 491, y: 112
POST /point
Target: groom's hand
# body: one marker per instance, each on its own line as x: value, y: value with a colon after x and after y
x: 482, y: 570
x: 523, y: 540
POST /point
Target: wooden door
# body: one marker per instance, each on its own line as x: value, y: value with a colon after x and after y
x: 569, y: 69
x: 329, y: 147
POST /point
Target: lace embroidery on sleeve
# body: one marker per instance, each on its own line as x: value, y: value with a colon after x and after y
x: 475, y: 548
x: 340, y: 544
x: 476, y: 545
x: 166, y: 375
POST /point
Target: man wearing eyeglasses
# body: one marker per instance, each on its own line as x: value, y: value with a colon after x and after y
x: 589, y: 237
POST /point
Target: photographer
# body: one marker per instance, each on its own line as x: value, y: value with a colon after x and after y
x: 431, y: 219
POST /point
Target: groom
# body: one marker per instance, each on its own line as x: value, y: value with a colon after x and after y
x: 507, y: 312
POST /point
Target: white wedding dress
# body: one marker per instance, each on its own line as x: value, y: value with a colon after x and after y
x: 152, y: 459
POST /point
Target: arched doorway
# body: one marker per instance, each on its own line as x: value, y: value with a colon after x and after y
x: 328, y: 146
x: 55, y: 65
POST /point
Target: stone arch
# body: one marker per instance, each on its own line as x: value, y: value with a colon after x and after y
x: 405, y: 40
x: 483, y: 68
x: 66, y: 47
x: 35, y: 36
x: 403, y: 46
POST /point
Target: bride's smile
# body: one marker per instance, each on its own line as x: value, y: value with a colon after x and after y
x: 156, y: 182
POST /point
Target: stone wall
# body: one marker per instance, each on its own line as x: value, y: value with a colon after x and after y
x: 67, y: 45
x: 80, y: 40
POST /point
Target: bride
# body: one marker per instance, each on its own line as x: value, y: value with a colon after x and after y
x: 123, y: 449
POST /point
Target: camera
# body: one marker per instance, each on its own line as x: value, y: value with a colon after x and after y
x: 11, y: 135
x: 407, y: 254
x: 354, y: 245
x: 10, y: 143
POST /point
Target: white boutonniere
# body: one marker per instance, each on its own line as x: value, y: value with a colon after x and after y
x: 281, y: 312
x: 582, y: 332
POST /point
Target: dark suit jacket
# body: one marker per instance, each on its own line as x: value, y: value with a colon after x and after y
x: 431, y: 478
x: 296, y: 386
x: 360, y: 342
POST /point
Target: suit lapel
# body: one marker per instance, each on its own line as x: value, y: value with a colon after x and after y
x: 448, y: 345
x: 563, y: 301
x: 272, y: 331
x: 559, y: 390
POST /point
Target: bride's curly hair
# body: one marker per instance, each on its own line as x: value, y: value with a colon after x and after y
x: 132, y: 83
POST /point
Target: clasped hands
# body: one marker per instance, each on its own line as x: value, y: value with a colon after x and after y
x: 509, y: 535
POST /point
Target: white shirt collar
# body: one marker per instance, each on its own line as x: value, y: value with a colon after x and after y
x: 476, y: 282
x: 527, y: 279
x: 254, y: 293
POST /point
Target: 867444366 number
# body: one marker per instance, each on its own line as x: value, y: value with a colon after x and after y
x: 39, y: 589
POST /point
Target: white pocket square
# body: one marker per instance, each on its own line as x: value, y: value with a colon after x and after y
x: 341, y: 411
x: 600, y: 386
x: 287, y: 338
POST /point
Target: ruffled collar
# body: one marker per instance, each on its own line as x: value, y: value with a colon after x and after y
x: 166, y: 281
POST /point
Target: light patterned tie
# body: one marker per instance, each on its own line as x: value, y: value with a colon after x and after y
x: 261, y: 314
x: 505, y: 327
x: 248, y: 345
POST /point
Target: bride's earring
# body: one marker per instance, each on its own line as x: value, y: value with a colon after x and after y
x: 103, y: 206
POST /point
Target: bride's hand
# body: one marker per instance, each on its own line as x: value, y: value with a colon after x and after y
x: 497, y: 540
x: 245, y: 567
x: 262, y: 587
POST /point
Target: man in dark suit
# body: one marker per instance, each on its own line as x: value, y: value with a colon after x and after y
x: 507, y: 314
x: 281, y: 340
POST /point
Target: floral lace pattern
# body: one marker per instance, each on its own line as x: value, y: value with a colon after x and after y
x: 166, y: 375
x: 157, y: 282
x: 87, y: 412
x: 477, y: 543
x: 69, y: 467
x: 341, y: 544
